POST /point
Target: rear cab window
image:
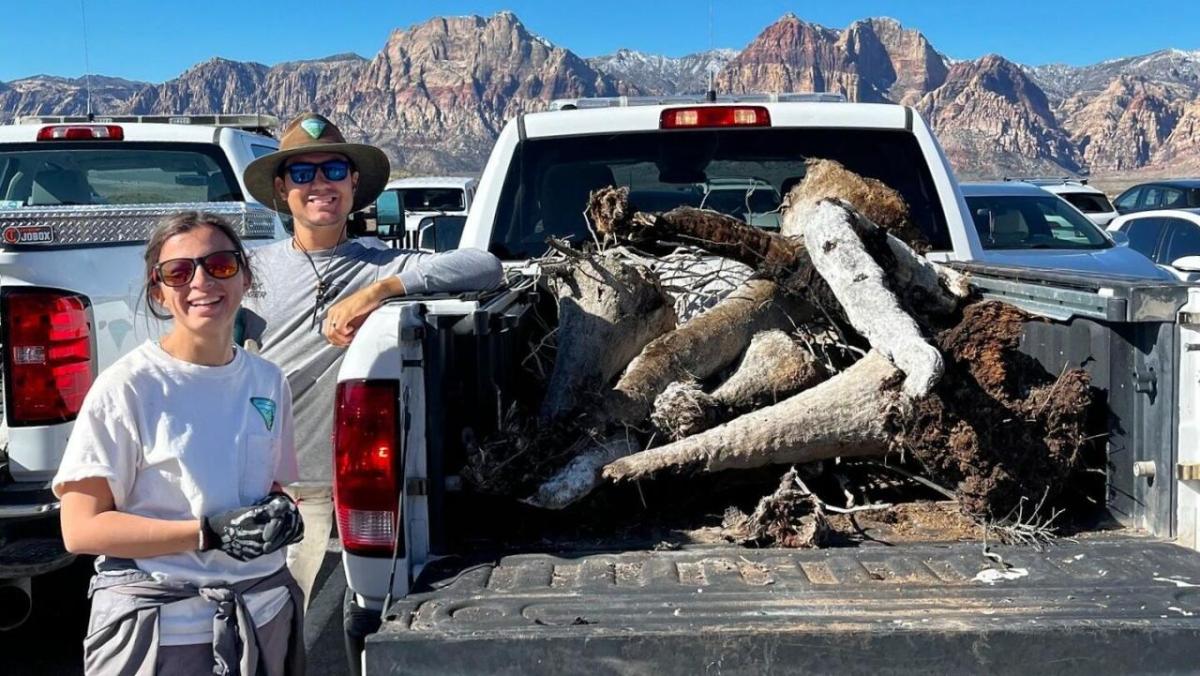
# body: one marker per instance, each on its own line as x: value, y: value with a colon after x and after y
x: 1088, y: 202
x: 742, y: 172
x: 432, y: 199
x: 118, y: 173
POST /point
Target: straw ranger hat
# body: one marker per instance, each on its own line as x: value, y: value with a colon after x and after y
x: 313, y: 133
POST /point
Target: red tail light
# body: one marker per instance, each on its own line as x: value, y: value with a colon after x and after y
x: 367, y: 474
x: 48, y: 365
x: 81, y: 132
x: 714, y: 116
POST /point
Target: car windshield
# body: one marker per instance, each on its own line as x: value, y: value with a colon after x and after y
x: 432, y: 199
x: 1088, y: 202
x: 34, y: 175
x: 549, y: 180
x: 1032, y: 222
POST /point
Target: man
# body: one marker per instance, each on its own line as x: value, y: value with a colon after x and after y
x: 314, y: 291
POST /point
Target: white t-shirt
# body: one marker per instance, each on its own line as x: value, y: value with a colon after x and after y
x: 178, y: 440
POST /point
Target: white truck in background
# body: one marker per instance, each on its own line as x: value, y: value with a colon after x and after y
x: 78, y: 198
x: 408, y: 206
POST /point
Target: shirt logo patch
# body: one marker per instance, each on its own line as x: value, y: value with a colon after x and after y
x: 265, y: 408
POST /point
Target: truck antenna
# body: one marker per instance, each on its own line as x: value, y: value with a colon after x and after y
x: 711, y: 95
x: 87, y: 68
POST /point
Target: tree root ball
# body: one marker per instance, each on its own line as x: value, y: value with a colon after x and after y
x: 998, y: 427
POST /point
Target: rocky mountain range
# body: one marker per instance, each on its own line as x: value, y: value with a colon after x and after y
x: 438, y: 93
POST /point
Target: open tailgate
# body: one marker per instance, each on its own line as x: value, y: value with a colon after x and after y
x: 1104, y: 605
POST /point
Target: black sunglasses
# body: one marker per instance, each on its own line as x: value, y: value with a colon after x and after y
x: 306, y: 172
x: 180, y: 271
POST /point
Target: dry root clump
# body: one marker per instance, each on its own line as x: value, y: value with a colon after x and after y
x: 998, y: 426
x: 790, y: 517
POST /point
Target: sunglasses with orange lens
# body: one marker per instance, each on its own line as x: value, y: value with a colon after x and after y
x: 180, y: 271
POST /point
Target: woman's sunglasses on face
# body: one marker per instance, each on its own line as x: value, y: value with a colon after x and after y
x: 306, y: 172
x: 180, y: 271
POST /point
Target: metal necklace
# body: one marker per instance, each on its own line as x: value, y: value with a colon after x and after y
x: 323, y: 287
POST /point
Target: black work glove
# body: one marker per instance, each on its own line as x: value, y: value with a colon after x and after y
x: 249, y: 532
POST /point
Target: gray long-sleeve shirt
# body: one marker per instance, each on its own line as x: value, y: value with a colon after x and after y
x: 285, y: 311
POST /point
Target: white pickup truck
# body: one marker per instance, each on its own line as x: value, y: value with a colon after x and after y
x: 444, y: 580
x: 415, y: 199
x: 78, y: 198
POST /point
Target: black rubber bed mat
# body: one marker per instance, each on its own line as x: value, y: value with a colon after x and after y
x: 1098, y: 606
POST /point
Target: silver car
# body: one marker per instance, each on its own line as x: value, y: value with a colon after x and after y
x: 1021, y: 224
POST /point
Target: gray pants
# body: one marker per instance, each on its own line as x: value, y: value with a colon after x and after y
x: 304, y: 558
x: 197, y: 659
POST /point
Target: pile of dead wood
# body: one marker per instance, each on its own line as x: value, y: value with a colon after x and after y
x: 832, y: 338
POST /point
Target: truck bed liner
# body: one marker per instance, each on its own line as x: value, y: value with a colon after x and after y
x: 1109, y: 604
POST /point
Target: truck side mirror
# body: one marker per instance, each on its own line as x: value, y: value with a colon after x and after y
x: 1119, y: 237
x: 387, y: 208
x: 389, y: 216
x: 440, y: 233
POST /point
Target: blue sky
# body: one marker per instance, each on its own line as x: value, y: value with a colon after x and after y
x: 155, y: 40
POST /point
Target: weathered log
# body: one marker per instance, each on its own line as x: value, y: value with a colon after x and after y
x: 582, y: 474
x: 773, y: 368
x: 848, y: 415
x: 608, y: 310
x: 701, y: 347
x: 859, y: 285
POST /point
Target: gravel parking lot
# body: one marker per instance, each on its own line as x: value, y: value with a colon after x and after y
x: 51, y: 641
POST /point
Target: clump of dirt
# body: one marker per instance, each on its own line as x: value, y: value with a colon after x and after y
x: 921, y: 521
x: 998, y: 427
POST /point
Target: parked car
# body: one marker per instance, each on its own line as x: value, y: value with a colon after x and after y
x: 1169, y: 237
x: 1021, y: 224
x: 1092, y: 202
x: 1181, y: 193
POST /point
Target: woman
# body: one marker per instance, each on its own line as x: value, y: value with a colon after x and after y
x: 172, y: 475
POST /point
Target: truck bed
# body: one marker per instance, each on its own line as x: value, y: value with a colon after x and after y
x: 1106, y: 604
